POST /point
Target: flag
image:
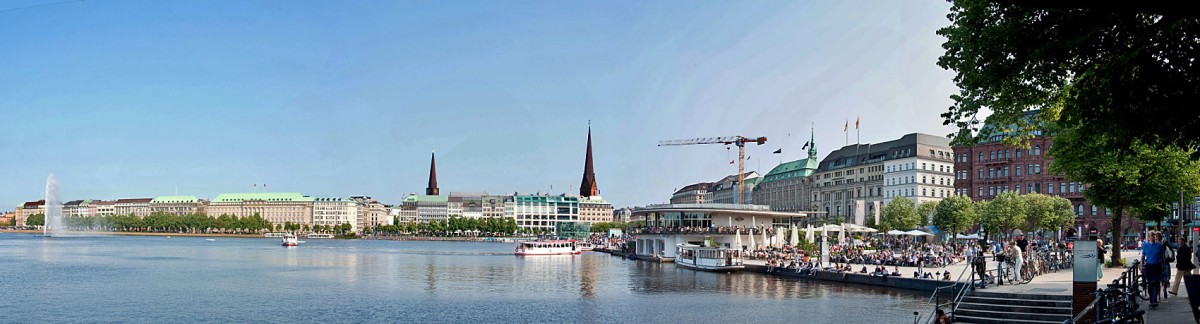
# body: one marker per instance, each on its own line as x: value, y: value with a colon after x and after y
x: 777, y: 151
x: 805, y: 145
x: 747, y: 157
x: 847, y: 126
x: 855, y: 122
x: 731, y: 161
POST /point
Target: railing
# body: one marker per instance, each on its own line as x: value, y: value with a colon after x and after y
x: 958, y: 295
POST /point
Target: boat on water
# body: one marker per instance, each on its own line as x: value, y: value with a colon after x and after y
x: 550, y: 247
x: 290, y: 240
x: 706, y: 258
x: 319, y: 236
x: 585, y: 246
x: 210, y: 240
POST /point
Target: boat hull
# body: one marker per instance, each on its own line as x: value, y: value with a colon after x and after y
x: 702, y: 267
x: 546, y: 253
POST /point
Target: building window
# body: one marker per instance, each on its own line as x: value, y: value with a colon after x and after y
x: 1005, y: 154
x: 1062, y: 187
x: 1005, y: 171
x: 1079, y: 210
x: 1037, y: 150
x: 1018, y: 170
x: 1018, y: 153
x: 1037, y: 169
x: 981, y: 192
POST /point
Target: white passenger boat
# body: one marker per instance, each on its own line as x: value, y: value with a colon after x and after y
x: 547, y: 247
x: 319, y: 236
x: 290, y: 240
x: 585, y: 246
x: 708, y: 258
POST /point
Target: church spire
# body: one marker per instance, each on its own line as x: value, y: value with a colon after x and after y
x: 432, y: 190
x: 812, y: 143
x: 587, y: 188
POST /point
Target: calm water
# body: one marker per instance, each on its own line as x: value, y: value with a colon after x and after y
x: 188, y: 279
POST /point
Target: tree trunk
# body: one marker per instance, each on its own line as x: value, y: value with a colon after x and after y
x: 1116, y: 235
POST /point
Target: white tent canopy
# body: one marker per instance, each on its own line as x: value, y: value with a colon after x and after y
x: 967, y: 237
x: 830, y: 228
x: 896, y: 232
x: 852, y: 228
x: 916, y: 233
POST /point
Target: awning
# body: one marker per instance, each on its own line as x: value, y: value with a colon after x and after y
x: 1192, y: 224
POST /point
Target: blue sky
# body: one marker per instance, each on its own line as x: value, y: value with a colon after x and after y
x: 337, y: 98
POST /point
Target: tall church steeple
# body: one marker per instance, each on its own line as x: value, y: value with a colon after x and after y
x: 587, y: 188
x: 812, y: 143
x: 432, y: 190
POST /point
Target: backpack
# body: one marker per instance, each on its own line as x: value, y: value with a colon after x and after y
x: 1168, y: 253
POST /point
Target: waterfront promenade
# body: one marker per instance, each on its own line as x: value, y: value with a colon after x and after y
x: 1171, y: 311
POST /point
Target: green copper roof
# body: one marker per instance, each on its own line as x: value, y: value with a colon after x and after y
x: 174, y: 199
x: 268, y: 196
x: 790, y: 170
x: 425, y: 198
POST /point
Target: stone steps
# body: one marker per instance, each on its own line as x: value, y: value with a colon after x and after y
x: 989, y: 307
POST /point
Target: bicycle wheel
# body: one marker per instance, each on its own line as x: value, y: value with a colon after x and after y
x: 1026, y: 275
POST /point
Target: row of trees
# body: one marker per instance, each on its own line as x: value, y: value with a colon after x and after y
x: 165, y: 222
x: 1008, y: 211
x: 454, y: 226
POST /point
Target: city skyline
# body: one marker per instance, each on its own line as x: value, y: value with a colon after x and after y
x: 347, y: 99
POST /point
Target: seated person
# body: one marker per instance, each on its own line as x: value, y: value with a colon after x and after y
x: 864, y: 270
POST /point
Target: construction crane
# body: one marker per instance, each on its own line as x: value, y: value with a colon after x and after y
x: 740, y: 141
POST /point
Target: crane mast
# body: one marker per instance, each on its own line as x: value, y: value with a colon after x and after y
x: 739, y: 141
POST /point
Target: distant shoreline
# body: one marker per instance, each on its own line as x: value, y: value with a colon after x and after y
x: 388, y: 238
x: 136, y: 233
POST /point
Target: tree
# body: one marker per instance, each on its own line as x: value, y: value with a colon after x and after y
x: 1003, y: 213
x: 36, y: 220
x: 898, y: 214
x: 925, y: 210
x: 1127, y: 75
x: 1140, y: 178
x: 955, y: 214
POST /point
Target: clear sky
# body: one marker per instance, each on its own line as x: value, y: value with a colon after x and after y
x: 335, y: 98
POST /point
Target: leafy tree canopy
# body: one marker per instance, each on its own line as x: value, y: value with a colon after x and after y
x: 1128, y: 75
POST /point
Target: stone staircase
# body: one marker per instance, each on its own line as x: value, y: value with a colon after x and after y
x: 989, y: 307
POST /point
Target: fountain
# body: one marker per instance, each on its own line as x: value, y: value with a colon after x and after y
x: 54, y: 219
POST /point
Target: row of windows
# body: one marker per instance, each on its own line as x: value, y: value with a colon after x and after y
x: 1005, y: 154
x: 925, y: 192
x: 924, y: 179
x: 924, y: 166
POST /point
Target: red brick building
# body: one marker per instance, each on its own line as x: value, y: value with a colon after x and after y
x: 991, y: 167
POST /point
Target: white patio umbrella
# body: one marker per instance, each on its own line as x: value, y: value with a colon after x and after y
x: 916, y: 233
x: 780, y: 239
x: 842, y: 235
x: 795, y: 236
x: 737, y: 239
x: 809, y: 236
x: 751, y: 235
x: 766, y: 241
x: 896, y: 232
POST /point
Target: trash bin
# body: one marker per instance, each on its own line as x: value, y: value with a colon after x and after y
x: 1192, y: 282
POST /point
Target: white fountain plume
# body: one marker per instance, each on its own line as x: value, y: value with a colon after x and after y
x: 54, y: 221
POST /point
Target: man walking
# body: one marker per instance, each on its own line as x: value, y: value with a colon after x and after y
x: 1153, y: 257
x: 1183, y: 263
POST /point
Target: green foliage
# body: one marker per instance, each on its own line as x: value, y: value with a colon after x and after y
x: 1114, y: 263
x: 925, y: 210
x: 1119, y: 74
x: 1141, y: 177
x: 955, y: 214
x: 36, y: 220
x: 454, y: 226
x: 899, y: 214
x: 1004, y: 213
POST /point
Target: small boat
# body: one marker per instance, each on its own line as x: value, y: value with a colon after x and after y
x: 290, y: 240
x: 210, y: 240
x: 319, y: 236
x: 708, y: 258
x: 552, y: 247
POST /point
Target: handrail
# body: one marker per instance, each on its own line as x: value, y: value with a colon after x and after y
x: 953, y: 302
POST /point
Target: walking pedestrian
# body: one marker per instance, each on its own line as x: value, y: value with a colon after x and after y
x: 1183, y: 263
x: 1153, y: 260
x: 1100, y: 251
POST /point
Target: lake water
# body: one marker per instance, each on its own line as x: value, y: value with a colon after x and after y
x: 189, y: 279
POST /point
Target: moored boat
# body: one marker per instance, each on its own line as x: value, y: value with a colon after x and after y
x: 708, y: 258
x: 585, y: 246
x: 319, y: 236
x: 552, y: 247
x: 290, y: 240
